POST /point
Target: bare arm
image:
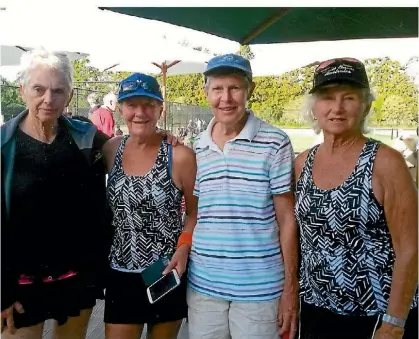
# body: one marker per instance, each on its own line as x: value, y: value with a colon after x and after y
x: 284, y: 210
x: 184, y: 170
x: 399, y: 197
x: 281, y: 176
x: 183, y: 174
x: 109, y: 151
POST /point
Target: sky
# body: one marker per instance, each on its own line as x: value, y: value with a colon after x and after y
x: 110, y: 37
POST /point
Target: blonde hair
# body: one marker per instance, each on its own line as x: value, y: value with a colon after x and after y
x: 35, y: 58
x: 310, y: 99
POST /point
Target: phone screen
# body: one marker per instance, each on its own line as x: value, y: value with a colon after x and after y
x: 162, y: 286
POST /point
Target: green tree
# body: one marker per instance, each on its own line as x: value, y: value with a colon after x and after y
x: 291, y: 115
x: 391, y: 84
x: 246, y: 52
x: 11, y: 102
x: 395, y: 111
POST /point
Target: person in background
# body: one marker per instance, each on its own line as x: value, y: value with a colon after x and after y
x: 410, y: 153
x: 243, y: 273
x: 91, y: 99
x: 103, y: 118
x: 145, y: 197
x: 357, y: 211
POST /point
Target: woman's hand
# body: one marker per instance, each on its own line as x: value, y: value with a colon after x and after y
x: 179, y: 260
x: 171, y: 139
x: 7, y: 317
x: 389, y: 331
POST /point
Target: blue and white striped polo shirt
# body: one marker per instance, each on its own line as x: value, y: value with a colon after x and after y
x: 236, y: 252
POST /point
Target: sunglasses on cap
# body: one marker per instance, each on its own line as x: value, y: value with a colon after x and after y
x: 131, y: 86
x: 326, y: 63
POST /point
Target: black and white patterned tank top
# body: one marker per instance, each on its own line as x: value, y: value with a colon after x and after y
x: 146, y: 209
x: 347, y: 257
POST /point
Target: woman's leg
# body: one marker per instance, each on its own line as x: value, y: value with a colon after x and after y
x: 167, y: 330
x: 123, y: 331
x: 31, y: 332
x: 74, y: 328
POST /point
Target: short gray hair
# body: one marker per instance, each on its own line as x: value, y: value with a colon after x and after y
x: 35, y: 58
x: 108, y: 98
x: 307, y: 109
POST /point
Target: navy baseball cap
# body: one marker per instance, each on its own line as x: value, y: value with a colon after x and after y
x: 234, y: 61
x: 343, y: 70
x: 139, y: 85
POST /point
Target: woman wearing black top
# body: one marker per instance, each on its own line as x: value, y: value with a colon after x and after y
x: 55, y: 223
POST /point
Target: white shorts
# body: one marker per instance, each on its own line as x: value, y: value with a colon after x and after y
x: 211, y: 318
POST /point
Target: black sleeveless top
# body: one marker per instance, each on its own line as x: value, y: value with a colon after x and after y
x: 347, y: 257
x: 147, y: 221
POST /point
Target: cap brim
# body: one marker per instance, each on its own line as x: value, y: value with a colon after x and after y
x: 338, y: 81
x: 139, y: 94
x: 213, y: 69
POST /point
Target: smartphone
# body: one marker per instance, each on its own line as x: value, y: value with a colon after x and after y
x: 164, y: 285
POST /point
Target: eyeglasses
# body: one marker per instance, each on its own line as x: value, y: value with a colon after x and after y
x: 130, y: 86
x: 326, y: 63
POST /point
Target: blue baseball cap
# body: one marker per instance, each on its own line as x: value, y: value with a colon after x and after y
x: 229, y: 61
x: 139, y: 85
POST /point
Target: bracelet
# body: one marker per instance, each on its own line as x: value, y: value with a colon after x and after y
x: 399, y: 322
x: 184, y: 238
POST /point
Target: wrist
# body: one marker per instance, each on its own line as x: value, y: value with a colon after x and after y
x: 393, y: 321
x: 391, y: 329
x: 185, y: 246
x: 291, y: 284
x: 185, y: 238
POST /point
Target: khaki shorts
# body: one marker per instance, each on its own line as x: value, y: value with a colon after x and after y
x: 211, y: 318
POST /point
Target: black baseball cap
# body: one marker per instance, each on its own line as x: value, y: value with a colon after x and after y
x: 345, y: 70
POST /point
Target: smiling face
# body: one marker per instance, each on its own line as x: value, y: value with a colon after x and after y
x: 141, y: 115
x: 46, y: 93
x: 227, y: 96
x: 340, y: 109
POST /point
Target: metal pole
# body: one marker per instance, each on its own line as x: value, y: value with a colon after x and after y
x: 76, y: 104
x: 164, y: 78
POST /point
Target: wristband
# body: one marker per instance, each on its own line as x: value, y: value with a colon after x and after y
x: 399, y: 322
x: 184, y: 238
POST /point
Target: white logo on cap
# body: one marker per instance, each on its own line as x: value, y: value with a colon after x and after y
x: 344, y: 68
x: 228, y: 58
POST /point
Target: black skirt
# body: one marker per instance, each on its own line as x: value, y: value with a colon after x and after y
x: 320, y: 323
x: 126, y: 301
x: 56, y: 300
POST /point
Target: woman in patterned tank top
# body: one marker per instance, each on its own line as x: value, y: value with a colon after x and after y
x: 356, y: 207
x: 147, y: 179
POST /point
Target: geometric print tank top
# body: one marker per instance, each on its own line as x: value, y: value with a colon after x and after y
x: 347, y: 257
x: 146, y: 212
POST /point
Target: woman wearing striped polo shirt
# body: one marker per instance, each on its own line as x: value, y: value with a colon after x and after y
x: 243, y: 271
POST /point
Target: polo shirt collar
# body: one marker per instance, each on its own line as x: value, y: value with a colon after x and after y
x: 248, y: 132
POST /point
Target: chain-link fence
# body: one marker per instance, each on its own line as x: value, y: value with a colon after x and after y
x: 179, y: 116
x: 79, y: 104
x: 182, y: 116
